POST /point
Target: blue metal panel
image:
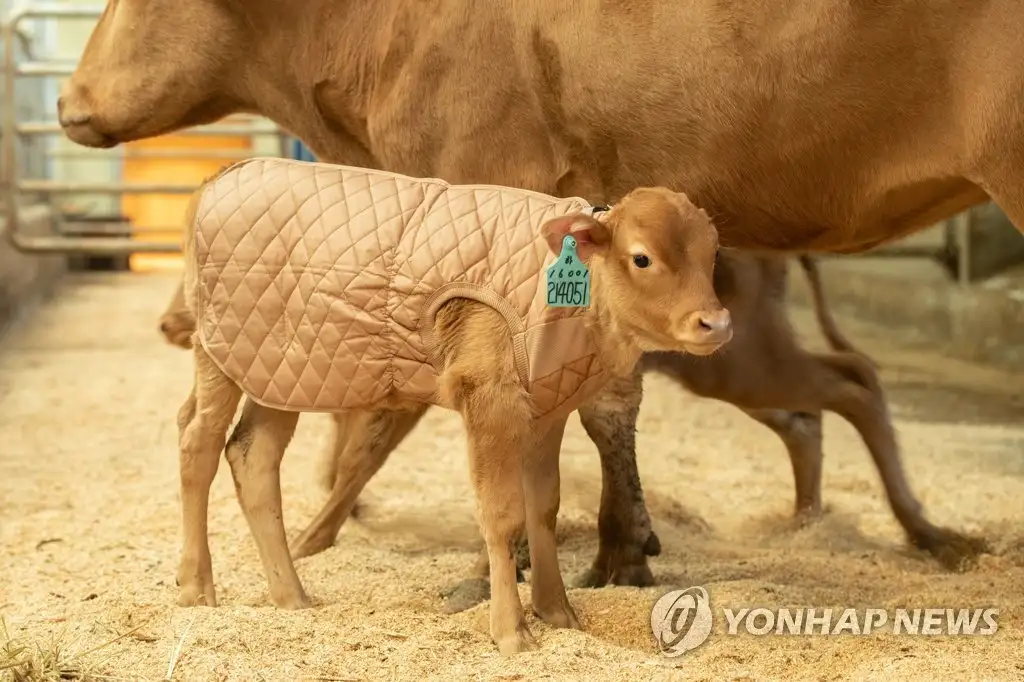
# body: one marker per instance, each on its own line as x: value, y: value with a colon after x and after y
x: 300, y: 151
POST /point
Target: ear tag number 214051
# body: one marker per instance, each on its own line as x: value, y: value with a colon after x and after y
x: 568, y: 279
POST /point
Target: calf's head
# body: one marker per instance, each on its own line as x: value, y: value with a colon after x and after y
x: 652, y: 258
x: 151, y: 67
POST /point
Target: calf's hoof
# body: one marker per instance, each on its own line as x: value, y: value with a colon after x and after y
x: 292, y: 601
x: 196, y: 594
x: 955, y: 551
x: 519, y: 641
x: 559, y: 616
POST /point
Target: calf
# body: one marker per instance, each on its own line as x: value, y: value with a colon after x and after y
x: 329, y: 288
x: 763, y: 371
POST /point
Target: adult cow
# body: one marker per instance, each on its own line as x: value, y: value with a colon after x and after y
x: 800, y: 125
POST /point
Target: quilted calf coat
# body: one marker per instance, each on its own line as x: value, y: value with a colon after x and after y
x: 317, y: 284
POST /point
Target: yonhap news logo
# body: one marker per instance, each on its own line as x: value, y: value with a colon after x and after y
x: 682, y: 620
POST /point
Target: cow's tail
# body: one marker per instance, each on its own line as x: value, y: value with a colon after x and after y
x: 836, y: 339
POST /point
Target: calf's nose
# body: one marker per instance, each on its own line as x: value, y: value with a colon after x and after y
x: 707, y: 327
x: 715, y: 321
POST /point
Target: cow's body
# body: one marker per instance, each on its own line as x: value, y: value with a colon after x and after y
x: 800, y: 125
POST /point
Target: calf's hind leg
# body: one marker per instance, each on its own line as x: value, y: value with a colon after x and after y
x: 497, y: 442
x: 254, y: 452
x: 203, y: 422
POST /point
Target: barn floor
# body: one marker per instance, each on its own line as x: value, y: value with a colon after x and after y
x: 89, y: 528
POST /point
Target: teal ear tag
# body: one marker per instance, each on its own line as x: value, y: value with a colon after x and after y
x: 568, y: 279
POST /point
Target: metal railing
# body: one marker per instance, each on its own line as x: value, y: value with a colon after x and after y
x: 21, y: 188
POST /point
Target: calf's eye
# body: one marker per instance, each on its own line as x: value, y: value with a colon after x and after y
x: 641, y: 261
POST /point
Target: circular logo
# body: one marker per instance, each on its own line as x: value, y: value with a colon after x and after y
x: 681, y: 620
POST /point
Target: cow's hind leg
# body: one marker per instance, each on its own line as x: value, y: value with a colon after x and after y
x: 801, y: 434
x: 203, y: 422
x: 254, y: 452
x: 624, y: 525
x: 850, y: 387
x: 366, y: 440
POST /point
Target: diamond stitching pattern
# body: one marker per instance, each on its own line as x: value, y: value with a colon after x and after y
x: 313, y: 278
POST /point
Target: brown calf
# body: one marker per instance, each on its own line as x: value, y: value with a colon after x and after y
x: 651, y: 260
x: 763, y: 371
x: 800, y: 126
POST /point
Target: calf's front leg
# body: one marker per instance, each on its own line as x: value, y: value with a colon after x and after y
x: 496, y: 448
x: 624, y: 526
x: 541, y: 487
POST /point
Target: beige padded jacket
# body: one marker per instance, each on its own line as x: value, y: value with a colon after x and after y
x: 318, y: 284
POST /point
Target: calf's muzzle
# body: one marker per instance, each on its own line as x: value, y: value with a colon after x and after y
x: 704, y: 331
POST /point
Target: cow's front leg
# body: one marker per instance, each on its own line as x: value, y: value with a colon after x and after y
x: 624, y: 526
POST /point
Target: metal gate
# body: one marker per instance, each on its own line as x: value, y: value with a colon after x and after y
x: 33, y: 146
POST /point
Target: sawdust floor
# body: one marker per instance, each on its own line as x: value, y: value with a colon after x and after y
x: 89, y: 527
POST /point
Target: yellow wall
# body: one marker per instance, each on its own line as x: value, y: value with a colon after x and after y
x: 167, y: 210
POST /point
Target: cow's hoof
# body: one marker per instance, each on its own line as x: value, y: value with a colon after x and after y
x: 636, y: 574
x: 807, y: 516
x: 466, y: 594
x: 313, y: 540
x: 177, y: 329
x: 523, y: 556
x: 955, y: 551
x: 652, y: 547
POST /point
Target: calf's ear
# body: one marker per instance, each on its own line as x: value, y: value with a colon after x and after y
x: 591, y: 236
